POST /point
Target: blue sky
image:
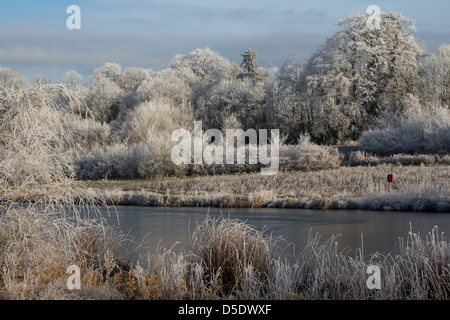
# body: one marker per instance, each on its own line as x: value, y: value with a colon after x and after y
x: 34, y: 38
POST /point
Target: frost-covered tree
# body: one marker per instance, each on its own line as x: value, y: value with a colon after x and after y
x: 109, y: 70
x: 289, y: 101
x: 113, y: 90
x: 358, y: 71
x: 249, y: 66
x: 244, y: 98
x: 103, y: 97
x: 438, y: 71
x: 11, y: 79
x: 205, y: 65
x: 73, y: 80
x: 203, y: 70
x: 166, y: 84
x: 131, y: 78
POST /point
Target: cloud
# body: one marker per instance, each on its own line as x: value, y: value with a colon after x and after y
x: 58, y: 51
x: 150, y: 33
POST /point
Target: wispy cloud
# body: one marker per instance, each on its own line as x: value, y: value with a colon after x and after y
x: 34, y: 38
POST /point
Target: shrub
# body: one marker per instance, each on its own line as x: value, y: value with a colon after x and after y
x: 37, y: 143
x: 361, y: 158
x: 417, y: 130
x: 308, y: 156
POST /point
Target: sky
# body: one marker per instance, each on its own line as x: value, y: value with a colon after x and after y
x: 35, y: 40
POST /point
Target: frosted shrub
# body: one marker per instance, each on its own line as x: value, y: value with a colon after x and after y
x: 361, y: 158
x: 89, y: 134
x: 142, y: 145
x: 152, y: 118
x: 308, y: 156
x: 145, y: 160
x: 149, y: 128
x: 417, y: 130
x: 155, y: 161
x: 37, y: 143
x: 165, y: 84
x: 115, y: 162
x: 103, y: 94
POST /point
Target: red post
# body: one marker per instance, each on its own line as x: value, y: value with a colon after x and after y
x: 390, y: 179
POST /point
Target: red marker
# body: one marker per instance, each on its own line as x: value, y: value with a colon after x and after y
x: 390, y: 179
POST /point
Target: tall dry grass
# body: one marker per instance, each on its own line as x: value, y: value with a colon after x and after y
x: 47, y: 222
x: 224, y: 259
x: 417, y: 270
x: 37, y: 247
x: 37, y: 144
x: 228, y: 259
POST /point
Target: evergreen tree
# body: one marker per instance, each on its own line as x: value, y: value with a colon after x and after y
x: 249, y: 66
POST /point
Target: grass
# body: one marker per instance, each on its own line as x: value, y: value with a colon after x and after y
x: 224, y: 259
x: 37, y: 246
x: 415, y: 188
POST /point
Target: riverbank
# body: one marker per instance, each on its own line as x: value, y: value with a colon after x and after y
x: 415, y: 188
x: 226, y: 259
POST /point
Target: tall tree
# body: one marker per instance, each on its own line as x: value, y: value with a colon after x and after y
x: 202, y: 70
x: 292, y: 115
x: 249, y: 66
x: 358, y: 72
x: 438, y: 70
x: 11, y: 79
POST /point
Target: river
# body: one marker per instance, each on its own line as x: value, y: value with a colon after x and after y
x: 375, y: 231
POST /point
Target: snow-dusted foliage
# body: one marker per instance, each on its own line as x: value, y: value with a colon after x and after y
x: 11, y: 79
x: 73, y: 80
x: 244, y: 98
x: 344, y: 85
x: 417, y: 129
x: 165, y: 84
x: 114, y: 90
x: 308, y: 156
x: 141, y: 144
x: 103, y: 95
x: 438, y: 70
x: 37, y: 142
x: 289, y: 88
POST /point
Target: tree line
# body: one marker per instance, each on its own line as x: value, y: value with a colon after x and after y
x: 356, y: 77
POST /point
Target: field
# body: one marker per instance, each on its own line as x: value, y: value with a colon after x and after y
x: 415, y: 188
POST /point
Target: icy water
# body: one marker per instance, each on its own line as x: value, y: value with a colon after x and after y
x: 373, y: 230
